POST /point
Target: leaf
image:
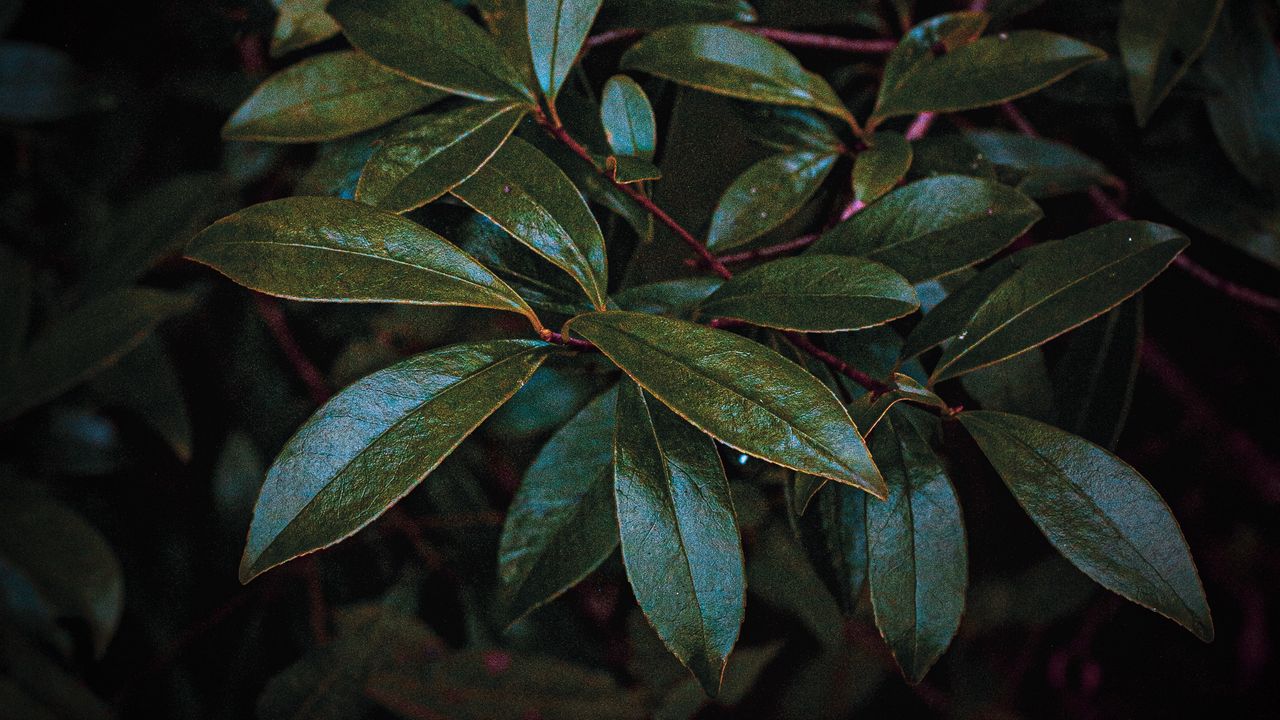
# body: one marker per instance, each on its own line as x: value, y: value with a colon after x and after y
x: 740, y: 392
x: 326, y: 97
x: 651, y: 14
x: 677, y: 298
x: 868, y: 410
x: 335, y: 172
x: 40, y: 84
x: 426, y: 156
x: 768, y: 194
x: 375, y: 441
x: 1044, y: 168
x: 1063, y: 286
x: 779, y: 574
x: 332, y: 250
x: 562, y: 522
x: 522, y: 191
x: 916, y: 50
x: 814, y: 293
x: 557, y: 29
x: 728, y: 61
x: 879, y: 168
x: 934, y: 226
x: 628, y: 118
x: 81, y: 343
x: 542, y: 285
x: 835, y: 536
x: 1159, y: 42
x: 1094, y: 377
x: 917, y: 562
x: 66, y: 561
x: 785, y: 129
x: 300, y: 24
x: 994, y: 70
x: 433, y: 43
x: 679, y: 532
x: 1098, y: 512
x: 145, y: 383
x: 1017, y: 384
x: 489, y: 684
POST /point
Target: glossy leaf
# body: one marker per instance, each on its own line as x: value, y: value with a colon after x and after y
x: 834, y: 532
x: 522, y: 191
x: 1043, y: 168
x: 728, y: 61
x: 300, y: 24
x: 742, y: 393
x: 660, y: 13
x: 878, y: 169
x: 557, y: 29
x: 814, y: 293
x: 1098, y: 512
x: 78, y: 345
x: 541, y: 284
x: 671, y: 297
x: 785, y: 129
x: 1159, y: 42
x: 1094, y: 377
x: 628, y: 118
x: 768, y: 194
x: 1059, y: 288
x: 679, y: 532
x: 562, y: 522
x: 994, y: 69
x: 433, y: 43
x: 326, y: 97
x: 934, y: 226
x: 916, y: 50
x: 426, y: 156
x: 341, y: 251
x: 917, y: 561
x: 145, y: 383
x: 375, y: 441
x: 868, y: 410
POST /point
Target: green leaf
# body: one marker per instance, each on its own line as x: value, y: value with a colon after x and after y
x: 542, y: 285
x: 787, y: 129
x: 1094, y: 377
x: 66, y: 561
x: 742, y: 393
x: 1098, y: 512
x: 1016, y: 384
x: 934, y: 226
x: 325, y: 249
x: 522, y: 191
x: 562, y: 523
x: 835, y: 536
x: 1159, y: 42
x: 81, y: 343
x: 375, y: 441
x: 432, y: 42
x: 426, y: 156
x: 1044, y: 168
x: 300, y: 24
x: 1065, y: 285
x: 728, y: 61
x: 917, y: 562
x: 815, y: 293
x: 649, y: 14
x: 677, y: 298
x: 868, y: 410
x: 557, y: 29
x: 680, y: 540
x: 146, y: 383
x: 768, y: 194
x: 628, y: 118
x: 40, y: 84
x: 988, y: 71
x: 915, y: 51
x: 879, y: 168
x: 326, y: 97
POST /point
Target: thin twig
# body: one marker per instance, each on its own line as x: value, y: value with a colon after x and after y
x: 764, y: 253
x: 307, y: 372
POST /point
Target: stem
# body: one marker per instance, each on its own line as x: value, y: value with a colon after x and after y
x: 307, y: 372
x: 552, y: 336
x: 802, y: 341
x: 920, y: 126
x: 763, y: 253
x: 791, y: 38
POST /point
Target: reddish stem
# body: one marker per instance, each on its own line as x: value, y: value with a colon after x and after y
x: 764, y: 253
x: 572, y: 342
x: 803, y: 342
x: 920, y: 126
x: 310, y: 375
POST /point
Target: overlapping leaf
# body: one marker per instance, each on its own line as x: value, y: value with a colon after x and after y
x: 768, y: 194
x: 879, y: 168
x: 557, y: 29
x: 300, y: 24
x: 1159, y: 42
x: 628, y: 118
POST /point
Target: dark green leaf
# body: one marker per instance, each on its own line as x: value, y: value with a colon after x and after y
x: 879, y: 168
x: 744, y: 394
x: 672, y: 297
x: 426, y: 156
x: 522, y: 191
x: 1063, y: 286
x: 145, y: 383
x: 334, y: 250
x: 679, y: 533
x: 336, y: 170
x: 779, y: 574
x: 934, y: 226
x: 626, y: 169
x: 1044, y: 168
x: 768, y: 194
x: 1017, y: 384
x: 628, y: 119
x: 915, y: 51
x: 562, y: 523
x: 433, y: 43
x: 993, y: 69
x: 787, y: 129
x: 835, y: 536
x: 557, y: 29
x: 732, y: 62
x: 917, y: 562
x: 815, y: 293
x: 300, y: 24
x: 868, y: 410
x: 326, y: 97
x: 1159, y: 42
x: 375, y: 441
x: 542, y: 285
x: 39, y: 84
x: 81, y: 343
x: 1098, y: 512
x: 660, y: 13
x: 1094, y: 378
x: 745, y: 667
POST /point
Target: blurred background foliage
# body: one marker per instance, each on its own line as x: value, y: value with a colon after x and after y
x: 153, y: 392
